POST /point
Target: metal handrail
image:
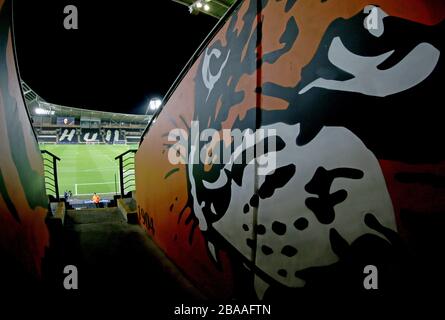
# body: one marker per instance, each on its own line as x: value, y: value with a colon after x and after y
x: 51, y: 154
x: 51, y: 185
x: 128, y: 180
x: 129, y: 186
x: 128, y: 164
x: 125, y: 153
x: 123, y: 163
x: 50, y: 172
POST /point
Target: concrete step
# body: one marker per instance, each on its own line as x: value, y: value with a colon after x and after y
x: 114, y: 259
x: 87, y: 216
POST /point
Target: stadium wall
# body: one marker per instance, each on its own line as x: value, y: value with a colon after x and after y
x: 359, y: 173
x: 23, y: 201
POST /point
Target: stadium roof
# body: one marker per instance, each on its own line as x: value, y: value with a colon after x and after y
x: 214, y: 8
x: 38, y: 106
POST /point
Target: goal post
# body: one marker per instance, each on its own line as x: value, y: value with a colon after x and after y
x: 101, y: 188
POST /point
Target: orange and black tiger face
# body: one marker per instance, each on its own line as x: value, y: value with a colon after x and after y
x: 365, y: 91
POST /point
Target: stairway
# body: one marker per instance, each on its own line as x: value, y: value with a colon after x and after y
x: 113, y: 258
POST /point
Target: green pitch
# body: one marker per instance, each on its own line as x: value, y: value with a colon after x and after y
x: 85, y: 169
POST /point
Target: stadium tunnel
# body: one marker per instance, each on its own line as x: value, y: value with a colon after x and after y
x: 357, y: 178
x: 43, y: 231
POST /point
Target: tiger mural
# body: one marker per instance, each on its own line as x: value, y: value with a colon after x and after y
x: 357, y: 163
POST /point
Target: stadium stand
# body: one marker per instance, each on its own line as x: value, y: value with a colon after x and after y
x: 55, y: 123
x: 47, y: 139
x: 132, y: 135
x: 90, y: 135
x: 113, y: 136
x: 67, y: 135
x: 47, y: 136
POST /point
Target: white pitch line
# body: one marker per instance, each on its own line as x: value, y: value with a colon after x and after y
x: 90, y: 170
x: 88, y: 184
x: 87, y: 194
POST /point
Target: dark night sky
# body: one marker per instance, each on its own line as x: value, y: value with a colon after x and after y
x: 120, y: 57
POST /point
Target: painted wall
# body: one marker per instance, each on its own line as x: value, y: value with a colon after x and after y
x: 23, y: 201
x: 348, y: 97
